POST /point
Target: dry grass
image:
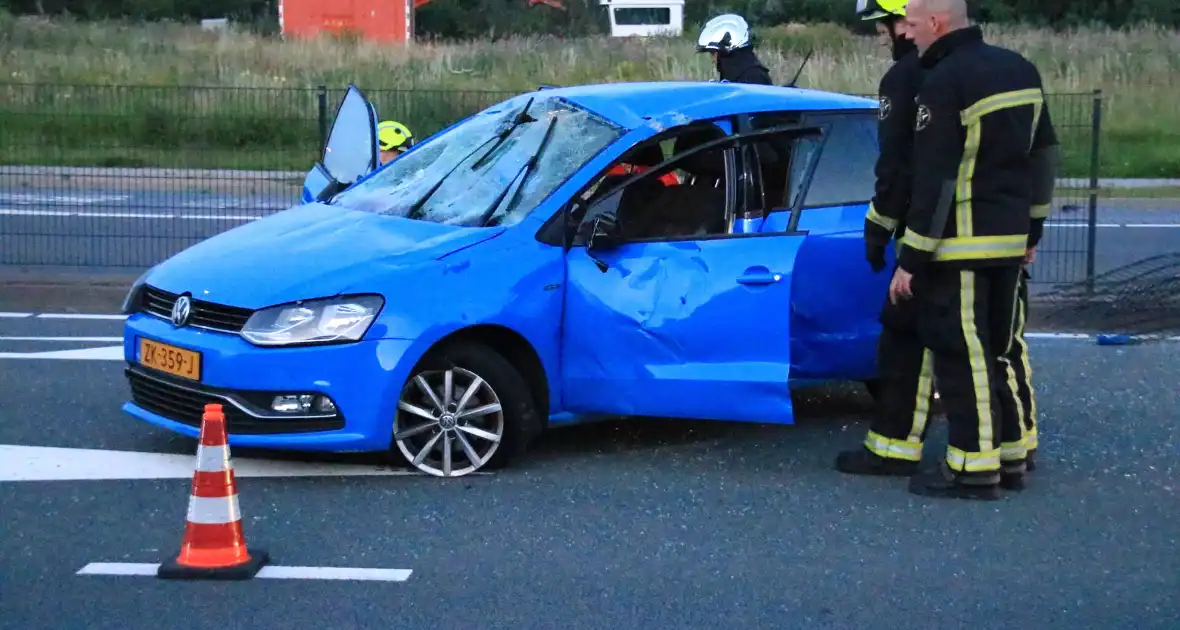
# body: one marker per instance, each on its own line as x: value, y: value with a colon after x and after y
x: 1137, y: 69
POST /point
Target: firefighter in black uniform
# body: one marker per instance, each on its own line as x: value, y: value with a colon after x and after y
x: 893, y: 445
x: 729, y: 40
x: 980, y: 135
x: 1018, y: 404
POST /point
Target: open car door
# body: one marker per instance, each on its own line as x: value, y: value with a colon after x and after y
x: 350, y: 152
x: 691, y: 324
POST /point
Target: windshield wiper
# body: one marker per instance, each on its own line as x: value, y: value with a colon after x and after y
x: 433, y: 189
x: 525, y: 170
x: 519, y: 119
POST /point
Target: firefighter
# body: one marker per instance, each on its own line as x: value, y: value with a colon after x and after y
x: 981, y: 132
x: 893, y: 445
x: 728, y: 40
x: 1018, y: 398
x: 394, y: 139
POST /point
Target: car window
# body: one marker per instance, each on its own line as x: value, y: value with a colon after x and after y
x: 685, y: 199
x: 457, y: 177
x: 844, y: 174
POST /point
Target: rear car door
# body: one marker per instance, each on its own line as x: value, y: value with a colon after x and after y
x: 836, y: 297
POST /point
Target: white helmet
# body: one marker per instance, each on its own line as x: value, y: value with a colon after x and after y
x: 724, y: 33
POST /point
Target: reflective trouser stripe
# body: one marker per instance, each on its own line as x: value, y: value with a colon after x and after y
x: 1040, y: 211
x: 893, y: 449
x: 922, y: 398
x: 961, y: 461
x: 219, y: 511
x: 977, y: 359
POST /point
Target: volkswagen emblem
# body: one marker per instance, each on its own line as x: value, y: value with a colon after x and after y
x: 181, y: 311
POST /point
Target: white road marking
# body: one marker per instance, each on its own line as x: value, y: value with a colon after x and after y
x: 1082, y: 224
x: 94, y: 339
x: 49, y: 463
x: 1087, y: 336
x: 78, y: 316
x: 14, y: 315
x: 122, y: 214
x: 105, y: 353
x: 266, y: 572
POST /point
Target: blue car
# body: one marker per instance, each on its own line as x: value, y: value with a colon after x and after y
x: 678, y: 249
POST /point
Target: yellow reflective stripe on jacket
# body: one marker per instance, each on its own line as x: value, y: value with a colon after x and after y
x: 968, y: 247
x: 961, y: 461
x: 919, y: 242
x: 977, y: 247
x: 880, y: 219
x: 1003, y: 100
x: 1040, y: 211
x: 893, y: 449
x: 972, y: 119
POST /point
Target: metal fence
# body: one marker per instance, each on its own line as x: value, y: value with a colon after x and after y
x: 102, y: 177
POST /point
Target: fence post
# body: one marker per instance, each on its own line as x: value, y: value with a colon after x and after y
x: 322, y: 98
x: 1092, y: 228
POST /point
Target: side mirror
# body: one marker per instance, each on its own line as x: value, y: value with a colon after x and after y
x: 319, y: 184
x: 604, y: 233
x: 351, y: 150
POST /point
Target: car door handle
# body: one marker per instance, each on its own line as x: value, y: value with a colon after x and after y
x: 759, y: 277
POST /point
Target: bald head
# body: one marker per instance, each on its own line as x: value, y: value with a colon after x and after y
x: 928, y: 20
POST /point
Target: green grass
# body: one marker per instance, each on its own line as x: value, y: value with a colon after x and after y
x: 258, y: 108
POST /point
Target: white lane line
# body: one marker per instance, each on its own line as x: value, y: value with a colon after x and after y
x: 105, y: 353
x: 266, y: 572
x: 51, y: 463
x: 1112, y: 225
x: 74, y: 214
x: 97, y: 339
x: 1086, y: 336
x: 14, y: 315
x: 78, y: 316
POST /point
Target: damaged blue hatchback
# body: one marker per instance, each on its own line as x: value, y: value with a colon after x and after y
x: 688, y: 250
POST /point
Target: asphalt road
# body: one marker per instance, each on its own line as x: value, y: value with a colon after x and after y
x: 630, y: 524
x: 137, y: 228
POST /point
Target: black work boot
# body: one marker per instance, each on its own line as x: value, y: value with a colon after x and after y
x: 1012, y: 474
x: 862, y: 461
x: 944, y: 484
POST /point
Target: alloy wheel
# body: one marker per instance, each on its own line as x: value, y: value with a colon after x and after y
x: 449, y: 422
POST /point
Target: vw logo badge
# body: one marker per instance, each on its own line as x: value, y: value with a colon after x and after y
x: 181, y: 310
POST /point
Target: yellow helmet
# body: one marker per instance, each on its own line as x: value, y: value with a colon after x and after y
x: 877, y: 9
x: 392, y: 135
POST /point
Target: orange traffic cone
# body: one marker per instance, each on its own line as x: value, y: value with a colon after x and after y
x: 214, y: 547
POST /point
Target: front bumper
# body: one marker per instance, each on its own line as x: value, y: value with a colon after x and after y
x: 362, y: 379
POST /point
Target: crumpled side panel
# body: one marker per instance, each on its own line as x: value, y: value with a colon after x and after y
x: 690, y: 329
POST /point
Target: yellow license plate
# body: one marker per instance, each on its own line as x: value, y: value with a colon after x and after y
x: 170, y: 359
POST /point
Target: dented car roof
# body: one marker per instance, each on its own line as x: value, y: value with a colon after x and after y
x: 632, y: 105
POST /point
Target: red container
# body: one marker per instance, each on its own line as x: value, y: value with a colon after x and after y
x: 374, y: 20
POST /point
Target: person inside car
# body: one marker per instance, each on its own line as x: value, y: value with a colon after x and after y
x: 393, y: 138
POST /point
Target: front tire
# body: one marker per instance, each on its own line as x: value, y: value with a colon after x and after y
x: 464, y: 408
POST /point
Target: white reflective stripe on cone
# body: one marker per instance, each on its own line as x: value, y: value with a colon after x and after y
x: 213, y: 511
x: 212, y: 458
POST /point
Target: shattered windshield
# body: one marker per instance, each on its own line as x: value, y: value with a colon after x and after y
x: 492, y: 169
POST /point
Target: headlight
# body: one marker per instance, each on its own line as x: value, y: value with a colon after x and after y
x: 344, y: 318
x: 131, y: 301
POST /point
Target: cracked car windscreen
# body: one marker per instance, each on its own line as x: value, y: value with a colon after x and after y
x: 461, y: 194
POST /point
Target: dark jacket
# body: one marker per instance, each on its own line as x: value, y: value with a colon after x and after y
x: 895, y: 141
x: 982, y: 129
x: 743, y: 66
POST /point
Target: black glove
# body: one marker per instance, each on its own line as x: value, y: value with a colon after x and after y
x: 875, y: 254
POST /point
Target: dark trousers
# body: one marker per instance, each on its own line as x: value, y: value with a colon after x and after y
x: 1017, y: 403
x: 967, y: 322
x: 906, y: 370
